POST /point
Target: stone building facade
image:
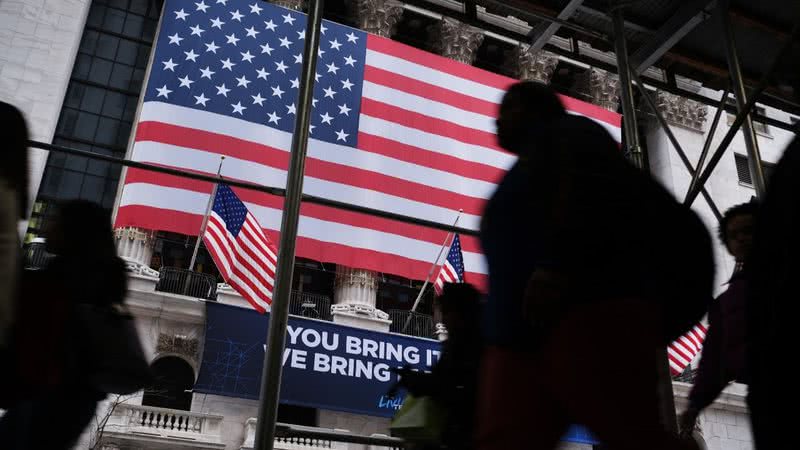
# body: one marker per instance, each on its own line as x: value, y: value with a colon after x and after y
x: 45, y: 48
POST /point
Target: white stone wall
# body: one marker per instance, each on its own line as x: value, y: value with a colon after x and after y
x: 38, y: 43
x: 723, y: 185
x: 725, y: 425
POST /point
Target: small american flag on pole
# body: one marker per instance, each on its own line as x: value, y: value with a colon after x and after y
x: 452, y: 270
x: 244, y: 255
x: 686, y: 348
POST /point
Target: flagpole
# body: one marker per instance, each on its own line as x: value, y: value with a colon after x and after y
x: 279, y: 310
x: 205, y: 220
x: 430, y: 272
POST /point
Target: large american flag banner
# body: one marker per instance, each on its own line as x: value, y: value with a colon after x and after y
x: 682, y: 352
x: 452, y: 270
x: 393, y: 128
x: 244, y: 255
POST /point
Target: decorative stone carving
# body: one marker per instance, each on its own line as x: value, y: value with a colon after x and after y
x: 377, y: 16
x: 682, y: 111
x: 135, y: 247
x: 532, y: 65
x: 296, y: 5
x: 457, y: 40
x: 355, y: 297
x: 601, y: 87
x: 178, y: 345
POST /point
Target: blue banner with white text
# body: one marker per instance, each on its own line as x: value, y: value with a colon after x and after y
x: 325, y: 365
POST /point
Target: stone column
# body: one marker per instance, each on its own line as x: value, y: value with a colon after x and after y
x: 296, y: 5
x: 355, y: 298
x: 532, y: 65
x: 135, y: 247
x: 457, y: 40
x: 601, y: 87
x: 682, y: 111
x: 377, y: 16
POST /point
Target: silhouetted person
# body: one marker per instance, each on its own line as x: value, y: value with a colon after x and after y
x: 13, y: 208
x: 583, y: 283
x: 452, y: 381
x: 773, y: 305
x: 724, y: 350
x: 52, y: 377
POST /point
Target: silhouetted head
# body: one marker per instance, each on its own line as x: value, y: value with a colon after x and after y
x: 81, y: 228
x: 527, y: 104
x: 736, y: 229
x: 460, y: 306
x: 14, y: 141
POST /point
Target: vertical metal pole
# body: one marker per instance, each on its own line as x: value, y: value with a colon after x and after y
x: 205, y: 219
x: 675, y: 144
x: 279, y: 315
x: 634, y: 150
x: 666, y: 401
x: 430, y: 273
x: 707, y: 145
x: 753, y: 153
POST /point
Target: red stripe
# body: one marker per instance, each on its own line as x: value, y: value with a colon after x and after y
x: 429, y: 124
x: 451, y: 271
x: 184, y: 223
x: 257, y: 237
x: 436, y: 62
x: 468, y: 243
x: 234, y: 259
x: 684, y: 352
x: 262, y: 237
x: 422, y: 157
x: 590, y: 110
x: 258, y: 260
x: 475, y: 74
x: 677, y: 363
x: 430, y: 91
x: 338, y: 173
x: 207, y: 239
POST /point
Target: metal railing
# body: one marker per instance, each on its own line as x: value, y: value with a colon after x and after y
x: 36, y: 255
x: 185, y: 282
x: 313, y: 306
x: 421, y: 325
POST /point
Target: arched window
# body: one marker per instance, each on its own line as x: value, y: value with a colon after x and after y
x: 174, y: 380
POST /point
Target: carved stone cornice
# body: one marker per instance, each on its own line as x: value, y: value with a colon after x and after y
x: 377, y: 16
x: 457, y: 40
x: 296, y: 5
x: 681, y: 110
x: 530, y: 65
x: 601, y: 87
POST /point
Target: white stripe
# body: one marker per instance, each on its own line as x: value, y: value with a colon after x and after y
x: 248, y: 242
x: 614, y: 131
x: 256, y: 235
x: 240, y: 256
x: 215, y: 243
x: 326, y: 231
x: 435, y: 143
x: 678, y: 356
x: 339, y: 154
x: 202, y: 161
x: 263, y: 291
x: 435, y: 77
x: 430, y: 108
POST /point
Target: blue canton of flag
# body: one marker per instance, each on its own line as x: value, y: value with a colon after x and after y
x: 230, y: 209
x: 243, y: 59
x: 452, y: 270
